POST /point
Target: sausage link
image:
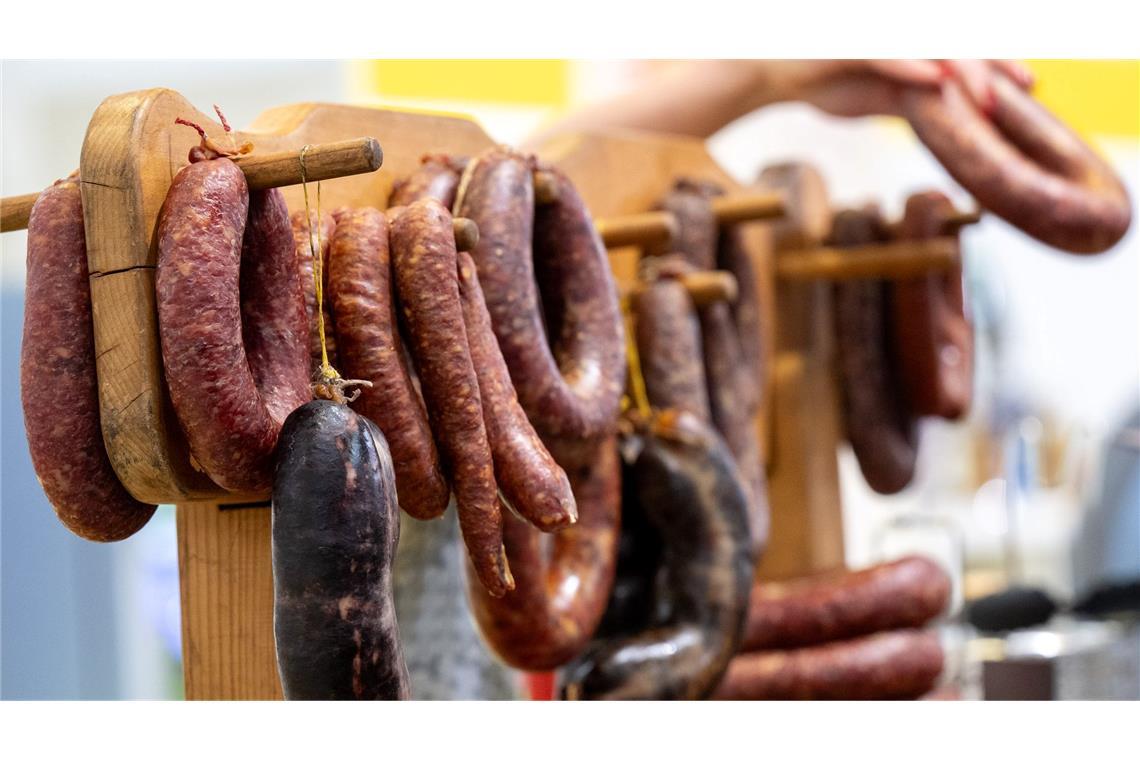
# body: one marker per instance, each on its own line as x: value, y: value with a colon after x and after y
x: 692, y: 494
x: 335, y: 528
x: 905, y: 593
x: 669, y: 348
x: 574, y: 391
x: 361, y: 293
x: 301, y: 240
x: 427, y: 282
x: 437, y: 177
x: 532, y: 484
x: 563, y: 580
x: 59, y: 391
x: 879, y: 425
x: 933, y: 334
x: 892, y: 665
x: 230, y: 424
x: 1023, y: 164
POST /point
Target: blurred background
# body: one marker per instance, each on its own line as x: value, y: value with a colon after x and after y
x: 1040, y: 486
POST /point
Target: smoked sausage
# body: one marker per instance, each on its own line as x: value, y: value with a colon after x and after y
x: 437, y: 177
x: 930, y: 326
x: 1023, y: 164
x: 59, y: 391
x: 363, y: 301
x: 905, y: 593
x: 321, y: 239
x: 335, y: 527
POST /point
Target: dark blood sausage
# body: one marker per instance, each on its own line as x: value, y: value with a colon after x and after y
x: 362, y: 296
x: 336, y: 524
x: 878, y: 421
x: 301, y: 240
x: 931, y: 330
x: 905, y: 593
x: 669, y: 348
x: 697, y: 229
x: 58, y: 387
x: 562, y: 581
x: 1023, y: 164
x: 437, y: 177
x: 693, y: 496
x: 892, y: 665
x: 574, y: 390
x: 231, y: 423
x: 532, y: 484
x: 427, y: 282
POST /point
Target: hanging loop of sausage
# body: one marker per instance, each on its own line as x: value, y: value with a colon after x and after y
x: 1023, y: 164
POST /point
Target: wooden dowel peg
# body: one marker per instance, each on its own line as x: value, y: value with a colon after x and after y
x: 324, y: 161
x: 653, y: 228
x: 15, y: 211
x: 466, y: 233
x: 897, y: 260
x: 704, y: 287
x: 961, y: 219
x: 747, y: 207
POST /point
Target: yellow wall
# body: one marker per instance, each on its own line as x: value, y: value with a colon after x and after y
x: 1094, y: 97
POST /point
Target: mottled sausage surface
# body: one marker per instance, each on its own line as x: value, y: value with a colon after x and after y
x: 904, y: 593
x: 878, y: 421
x: 669, y: 348
x: 531, y: 482
x: 697, y: 230
x: 930, y: 326
x: 427, y: 284
x: 574, y: 389
x: 436, y: 177
x: 335, y: 528
x: 59, y: 390
x: 1023, y: 164
x: 901, y: 664
x: 363, y: 300
x: 693, y: 496
x: 306, y: 238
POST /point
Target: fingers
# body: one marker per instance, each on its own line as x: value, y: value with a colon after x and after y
x: 923, y: 71
x: 1017, y: 71
x: 974, y: 75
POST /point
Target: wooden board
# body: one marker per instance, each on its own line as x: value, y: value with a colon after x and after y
x: 131, y: 152
x: 627, y: 171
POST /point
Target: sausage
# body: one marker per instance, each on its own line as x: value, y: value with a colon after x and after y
x: 562, y: 581
x: 231, y: 424
x: 932, y: 332
x: 905, y: 593
x: 697, y: 229
x: 669, y: 348
x: 692, y: 494
x: 901, y: 664
x: 574, y: 390
x: 427, y: 283
x: 437, y: 177
x: 335, y: 527
x: 879, y: 424
x: 361, y: 293
x: 59, y: 391
x: 1023, y: 164
x: 530, y: 481
x: 322, y: 241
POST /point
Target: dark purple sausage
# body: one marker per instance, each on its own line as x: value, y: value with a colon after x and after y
x: 58, y: 386
x: 363, y: 299
x: 893, y: 665
x: 905, y: 593
x: 437, y: 177
x: 669, y: 348
x: 321, y: 239
x: 1023, y: 164
x: 336, y: 524
x: 427, y: 284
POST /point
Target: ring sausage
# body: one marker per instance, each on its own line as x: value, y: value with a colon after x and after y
x: 59, y: 391
x: 437, y: 177
x: 1023, y: 164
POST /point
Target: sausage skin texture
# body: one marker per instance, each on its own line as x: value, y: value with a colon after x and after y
x: 669, y: 348
x: 59, y: 391
x: 878, y: 421
x: 427, y: 283
x: 931, y: 329
x: 301, y: 239
x: 336, y: 524
x: 1023, y: 164
x: 693, y: 496
x: 363, y: 301
x: 574, y: 390
x: 437, y: 177
x: 906, y: 593
x: 697, y: 229
x: 562, y: 580
x: 531, y: 482
x: 230, y: 428
x: 901, y: 664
